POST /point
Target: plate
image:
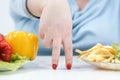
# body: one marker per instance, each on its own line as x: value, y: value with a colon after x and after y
x: 3, y: 69
x: 105, y: 65
x: 5, y: 66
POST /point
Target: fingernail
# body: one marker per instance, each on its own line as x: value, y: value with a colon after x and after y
x: 68, y: 66
x: 54, y: 66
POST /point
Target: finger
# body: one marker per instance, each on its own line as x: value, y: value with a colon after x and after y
x: 41, y: 32
x: 67, y: 44
x: 47, y: 41
x: 56, y: 52
x: 42, y: 35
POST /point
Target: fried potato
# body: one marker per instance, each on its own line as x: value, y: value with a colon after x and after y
x: 98, y: 53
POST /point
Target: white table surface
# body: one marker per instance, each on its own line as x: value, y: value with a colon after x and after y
x: 40, y: 69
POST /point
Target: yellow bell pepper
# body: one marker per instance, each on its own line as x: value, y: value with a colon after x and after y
x: 23, y: 43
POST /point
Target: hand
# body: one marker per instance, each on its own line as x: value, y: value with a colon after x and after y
x: 56, y: 30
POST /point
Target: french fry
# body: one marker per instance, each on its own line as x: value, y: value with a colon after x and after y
x: 98, y: 53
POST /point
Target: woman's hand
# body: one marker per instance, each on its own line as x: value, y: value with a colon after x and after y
x: 56, y: 30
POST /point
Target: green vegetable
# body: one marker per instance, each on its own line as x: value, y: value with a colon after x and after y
x: 16, y: 62
x: 116, y: 47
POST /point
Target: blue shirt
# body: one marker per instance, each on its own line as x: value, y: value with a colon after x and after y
x: 98, y: 22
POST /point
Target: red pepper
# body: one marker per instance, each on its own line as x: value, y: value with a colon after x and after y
x: 5, y: 49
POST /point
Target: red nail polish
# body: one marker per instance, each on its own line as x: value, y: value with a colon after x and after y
x: 68, y: 66
x: 54, y: 66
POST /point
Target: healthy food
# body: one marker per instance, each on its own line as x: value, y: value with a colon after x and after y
x: 26, y: 44
x: 5, y: 49
x: 16, y: 48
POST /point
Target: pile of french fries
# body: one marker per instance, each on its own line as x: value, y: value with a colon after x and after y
x: 99, y: 53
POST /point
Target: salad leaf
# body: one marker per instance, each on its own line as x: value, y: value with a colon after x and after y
x: 116, y: 47
x: 15, y: 63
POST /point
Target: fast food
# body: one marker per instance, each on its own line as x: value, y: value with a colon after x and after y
x: 101, y: 53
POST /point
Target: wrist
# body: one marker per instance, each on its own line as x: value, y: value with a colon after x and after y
x: 59, y: 5
x: 58, y: 2
x: 35, y: 7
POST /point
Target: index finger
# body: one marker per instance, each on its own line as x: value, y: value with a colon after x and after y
x: 56, y: 52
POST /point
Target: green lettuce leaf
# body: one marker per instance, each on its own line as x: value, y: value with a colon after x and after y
x: 15, y: 63
x: 116, y: 47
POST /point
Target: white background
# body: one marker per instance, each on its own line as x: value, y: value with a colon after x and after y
x: 6, y: 23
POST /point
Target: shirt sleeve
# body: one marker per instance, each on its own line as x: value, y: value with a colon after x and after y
x: 22, y: 18
x: 18, y: 10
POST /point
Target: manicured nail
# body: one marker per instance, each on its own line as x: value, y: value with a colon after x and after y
x: 54, y: 66
x: 68, y: 66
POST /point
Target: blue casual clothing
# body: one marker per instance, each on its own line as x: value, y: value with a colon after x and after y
x: 98, y: 22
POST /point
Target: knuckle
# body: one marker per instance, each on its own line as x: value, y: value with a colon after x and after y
x: 56, y: 47
x: 69, y: 59
x: 47, y: 46
x: 46, y: 43
x: 68, y: 48
x: 54, y: 60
